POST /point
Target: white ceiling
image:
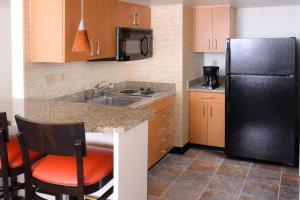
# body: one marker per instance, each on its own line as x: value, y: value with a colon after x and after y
x: 235, y: 3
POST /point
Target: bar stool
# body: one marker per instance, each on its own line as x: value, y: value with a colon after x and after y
x: 11, y: 164
x: 70, y: 167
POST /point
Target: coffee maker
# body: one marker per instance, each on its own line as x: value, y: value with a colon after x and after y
x: 210, y: 77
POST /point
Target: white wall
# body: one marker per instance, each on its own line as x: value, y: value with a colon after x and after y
x: 5, y: 58
x: 262, y: 22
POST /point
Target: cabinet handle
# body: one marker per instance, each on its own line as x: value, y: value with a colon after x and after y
x: 211, y: 111
x: 208, y: 44
x: 216, y: 45
x: 98, y: 47
x: 167, y: 150
x: 134, y: 20
x: 138, y: 19
x: 204, y: 98
x: 166, y: 127
x: 135, y: 14
x: 165, y: 138
x: 203, y: 110
x: 166, y: 114
x: 92, y: 48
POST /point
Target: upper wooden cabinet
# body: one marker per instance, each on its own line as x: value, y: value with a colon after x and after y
x: 212, y: 25
x: 133, y: 15
x: 207, y: 119
x: 54, y: 25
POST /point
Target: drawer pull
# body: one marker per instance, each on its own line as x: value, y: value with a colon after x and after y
x: 166, y: 114
x: 166, y: 127
x: 165, y: 138
x: 163, y: 151
x: 204, y: 98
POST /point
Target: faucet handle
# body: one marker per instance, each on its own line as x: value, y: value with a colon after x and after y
x: 110, y: 86
x: 99, y: 84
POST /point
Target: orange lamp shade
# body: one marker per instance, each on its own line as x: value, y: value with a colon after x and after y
x: 81, y: 42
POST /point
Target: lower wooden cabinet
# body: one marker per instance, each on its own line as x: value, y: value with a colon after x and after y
x: 207, y: 119
x: 161, y: 130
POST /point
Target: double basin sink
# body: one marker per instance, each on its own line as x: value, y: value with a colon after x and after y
x: 114, y: 100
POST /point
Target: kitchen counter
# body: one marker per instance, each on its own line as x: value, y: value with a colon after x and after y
x: 124, y: 129
x: 97, y: 118
x: 196, y: 86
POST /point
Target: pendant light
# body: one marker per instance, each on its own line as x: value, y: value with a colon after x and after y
x: 81, y: 42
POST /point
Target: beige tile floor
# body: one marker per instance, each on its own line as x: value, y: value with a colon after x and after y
x: 210, y: 175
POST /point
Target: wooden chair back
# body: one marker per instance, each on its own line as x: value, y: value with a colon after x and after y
x: 53, y: 139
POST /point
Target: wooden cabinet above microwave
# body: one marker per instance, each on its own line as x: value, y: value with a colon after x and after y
x: 131, y: 15
x: 54, y: 24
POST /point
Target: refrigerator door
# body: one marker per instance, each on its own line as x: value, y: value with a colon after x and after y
x: 261, y: 118
x: 262, y: 56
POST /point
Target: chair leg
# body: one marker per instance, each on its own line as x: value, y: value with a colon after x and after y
x: 14, y: 182
x: 5, y: 188
x: 106, y: 194
x: 59, y: 197
x: 29, y: 191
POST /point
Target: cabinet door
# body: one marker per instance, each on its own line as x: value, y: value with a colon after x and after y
x: 203, y: 29
x: 198, y: 121
x: 144, y: 19
x: 125, y: 14
x: 101, y: 19
x: 221, y: 28
x: 216, y: 124
x: 46, y: 31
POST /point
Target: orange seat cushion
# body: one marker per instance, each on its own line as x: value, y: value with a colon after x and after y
x: 14, y: 154
x: 62, y: 170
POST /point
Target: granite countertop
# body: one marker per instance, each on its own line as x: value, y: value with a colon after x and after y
x: 196, y: 86
x: 97, y: 118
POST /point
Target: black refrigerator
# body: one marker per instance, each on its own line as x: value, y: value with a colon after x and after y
x: 261, y: 99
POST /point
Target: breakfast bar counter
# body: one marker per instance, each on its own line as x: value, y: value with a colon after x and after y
x: 124, y: 129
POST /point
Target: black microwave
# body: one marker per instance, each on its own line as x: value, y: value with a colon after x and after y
x: 134, y: 44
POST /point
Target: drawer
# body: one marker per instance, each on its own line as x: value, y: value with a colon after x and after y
x: 160, y: 105
x: 162, y: 117
x: 165, y: 114
x: 166, y: 146
x: 208, y: 97
x: 164, y: 127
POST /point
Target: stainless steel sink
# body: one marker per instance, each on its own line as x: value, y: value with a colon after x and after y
x: 114, y: 101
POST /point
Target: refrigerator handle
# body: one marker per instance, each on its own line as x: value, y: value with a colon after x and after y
x: 227, y: 94
x: 227, y: 55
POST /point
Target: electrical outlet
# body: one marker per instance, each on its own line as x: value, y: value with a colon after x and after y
x: 215, y: 62
x: 62, y: 77
x: 50, y: 79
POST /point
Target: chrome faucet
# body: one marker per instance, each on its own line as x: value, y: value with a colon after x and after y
x: 101, y: 90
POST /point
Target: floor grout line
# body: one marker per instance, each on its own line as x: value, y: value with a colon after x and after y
x: 280, y: 184
x: 173, y: 182
x: 211, y: 178
x: 239, y: 196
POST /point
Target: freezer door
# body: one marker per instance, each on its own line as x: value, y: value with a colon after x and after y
x: 261, y: 118
x: 263, y: 56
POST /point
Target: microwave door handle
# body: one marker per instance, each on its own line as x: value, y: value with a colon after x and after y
x: 149, y: 43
